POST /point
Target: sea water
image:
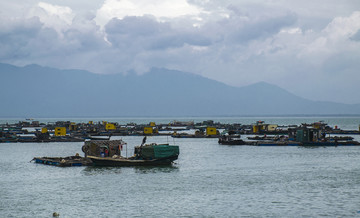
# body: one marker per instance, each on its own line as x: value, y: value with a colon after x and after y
x: 208, y: 179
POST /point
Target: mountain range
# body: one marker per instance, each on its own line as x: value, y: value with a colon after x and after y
x: 36, y: 91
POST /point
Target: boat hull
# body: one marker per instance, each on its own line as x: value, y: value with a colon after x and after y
x: 277, y: 143
x: 330, y: 144
x: 232, y: 142
x: 119, y: 162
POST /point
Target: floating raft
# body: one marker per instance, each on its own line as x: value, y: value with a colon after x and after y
x: 70, y: 161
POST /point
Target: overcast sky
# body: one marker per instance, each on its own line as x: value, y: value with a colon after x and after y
x: 310, y: 48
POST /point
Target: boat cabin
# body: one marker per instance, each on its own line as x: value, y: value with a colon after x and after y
x: 309, y: 134
x: 103, y: 148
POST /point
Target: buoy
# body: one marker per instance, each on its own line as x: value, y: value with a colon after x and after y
x: 55, y: 214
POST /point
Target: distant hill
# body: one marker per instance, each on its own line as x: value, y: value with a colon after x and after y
x: 35, y: 91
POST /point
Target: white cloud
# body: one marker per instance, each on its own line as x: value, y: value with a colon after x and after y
x: 295, y: 30
x: 64, y: 13
x: 335, y: 38
x: 158, y: 8
x: 53, y: 16
x: 342, y: 28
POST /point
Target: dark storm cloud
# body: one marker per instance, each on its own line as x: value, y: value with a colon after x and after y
x: 84, y: 34
x: 148, y: 33
x: 136, y: 26
x: 18, y: 39
x: 238, y: 29
x: 263, y: 27
x: 29, y: 27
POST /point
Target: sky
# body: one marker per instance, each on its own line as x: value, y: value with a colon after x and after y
x: 310, y: 48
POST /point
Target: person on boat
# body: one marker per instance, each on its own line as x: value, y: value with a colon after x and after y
x: 143, y: 141
x: 138, y: 154
x: 106, y: 152
x: 323, y: 136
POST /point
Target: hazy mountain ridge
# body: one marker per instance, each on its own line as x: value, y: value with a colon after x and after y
x: 35, y: 91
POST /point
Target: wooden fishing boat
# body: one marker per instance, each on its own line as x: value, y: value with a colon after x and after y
x: 99, y: 138
x: 313, y: 137
x: 226, y: 140
x: 108, y: 153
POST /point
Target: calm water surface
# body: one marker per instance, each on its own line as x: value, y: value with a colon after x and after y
x: 208, y: 180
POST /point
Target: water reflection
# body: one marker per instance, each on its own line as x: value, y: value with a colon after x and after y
x: 92, y: 170
x: 156, y: 169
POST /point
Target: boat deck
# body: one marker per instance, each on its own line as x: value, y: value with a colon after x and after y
x: 63, y: 161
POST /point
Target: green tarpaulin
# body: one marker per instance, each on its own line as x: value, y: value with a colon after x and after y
x: 159, y: 151
x: 147, y: 152
x: 162, y: 151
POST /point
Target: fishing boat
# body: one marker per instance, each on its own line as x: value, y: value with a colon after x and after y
x: 314, y: 137
x: 229, y: 140
x: 108, y: 153
x: 99, y: 137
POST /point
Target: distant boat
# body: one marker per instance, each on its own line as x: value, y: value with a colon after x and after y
x: 315, y: 137
x: 230, y: 140
x: 99, y: 137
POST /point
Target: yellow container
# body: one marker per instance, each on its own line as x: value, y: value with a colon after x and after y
x: 110, y: 126
x: 255, y: 129
x: 44, y: 130
x: 60, y: 131
x: 148, y: 130
x: 211, y: 131
x: 72, y: 127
